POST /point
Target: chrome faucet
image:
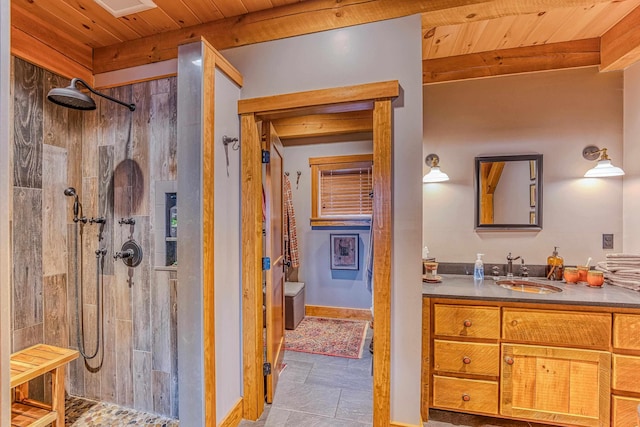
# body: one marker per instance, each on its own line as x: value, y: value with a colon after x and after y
x: 510, y: 260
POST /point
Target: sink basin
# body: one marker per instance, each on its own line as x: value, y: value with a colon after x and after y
x: 528, y: 286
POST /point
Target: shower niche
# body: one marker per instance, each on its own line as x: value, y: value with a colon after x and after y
x: 166, y: 221
x: 171, y: 228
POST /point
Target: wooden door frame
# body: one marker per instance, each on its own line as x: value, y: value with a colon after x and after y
x: 373, y: 96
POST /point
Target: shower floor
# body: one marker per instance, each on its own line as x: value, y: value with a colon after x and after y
x: 88, y: 413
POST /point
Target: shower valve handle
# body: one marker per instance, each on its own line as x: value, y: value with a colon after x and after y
x: 129, y: 221
x: 99, y: 220
x: 124, y: 254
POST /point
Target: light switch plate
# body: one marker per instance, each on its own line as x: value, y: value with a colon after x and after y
x: 607, y: 241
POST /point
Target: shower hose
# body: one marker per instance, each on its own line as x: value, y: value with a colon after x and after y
x: 79, y: 305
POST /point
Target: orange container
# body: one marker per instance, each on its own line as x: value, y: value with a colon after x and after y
x: 595, y: 278
x: 582, y: 273
x: 571, y: 275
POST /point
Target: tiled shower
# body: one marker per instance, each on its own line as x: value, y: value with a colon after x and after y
x: 114, y: 159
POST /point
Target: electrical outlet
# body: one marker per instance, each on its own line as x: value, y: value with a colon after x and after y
x: 607, y: 241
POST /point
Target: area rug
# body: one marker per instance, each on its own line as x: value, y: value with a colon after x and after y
x: 331, y: 337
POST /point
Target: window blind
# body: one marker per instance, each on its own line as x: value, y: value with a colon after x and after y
x: 346, y: 192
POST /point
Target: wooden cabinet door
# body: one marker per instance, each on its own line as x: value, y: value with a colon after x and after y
x: 555, y: 385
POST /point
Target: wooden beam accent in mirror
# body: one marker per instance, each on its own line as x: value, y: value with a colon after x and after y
x: 508, y: 192
x: 553, y: 56
x: 490, y: 177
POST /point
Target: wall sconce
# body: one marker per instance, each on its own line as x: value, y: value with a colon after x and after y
x: 435, y: 175
x: 604, y: 168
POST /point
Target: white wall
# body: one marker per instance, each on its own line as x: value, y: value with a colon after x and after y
x: 388, y: 50
x: 555, y: 114
x: 227, y: 249
x: 631, y: 180
x: 323, y: 286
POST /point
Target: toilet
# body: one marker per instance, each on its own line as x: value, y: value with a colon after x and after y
x: 293, y: 304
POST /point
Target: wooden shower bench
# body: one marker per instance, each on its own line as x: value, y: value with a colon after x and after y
x: 28, y: 364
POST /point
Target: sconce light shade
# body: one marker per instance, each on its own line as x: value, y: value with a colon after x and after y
x: 604, y: 168
x: 435, y: 175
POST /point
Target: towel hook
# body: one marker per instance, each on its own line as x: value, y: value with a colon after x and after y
x: 298, y: 173
x: 226, y: 140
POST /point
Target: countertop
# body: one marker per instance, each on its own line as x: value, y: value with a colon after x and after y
x: 463, y: 287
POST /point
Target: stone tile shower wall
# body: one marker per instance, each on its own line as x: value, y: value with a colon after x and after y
x: 113, y: 158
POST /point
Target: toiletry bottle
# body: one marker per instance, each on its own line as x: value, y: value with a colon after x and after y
x: 555, y: 265
x: 478, y: 268
x: 173, y: 221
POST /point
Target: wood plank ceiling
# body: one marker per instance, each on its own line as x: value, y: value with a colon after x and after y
x: 462, y: 39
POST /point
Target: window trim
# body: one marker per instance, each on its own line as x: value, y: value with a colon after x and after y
x: 319, y: 164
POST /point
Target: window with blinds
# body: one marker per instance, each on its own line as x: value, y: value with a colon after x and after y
x: 342, y: 189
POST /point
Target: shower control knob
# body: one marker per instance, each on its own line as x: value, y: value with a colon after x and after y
x: 124, y: 254
x: 130, y: 254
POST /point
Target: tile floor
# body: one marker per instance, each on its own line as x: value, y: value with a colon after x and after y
x: 321, y: 391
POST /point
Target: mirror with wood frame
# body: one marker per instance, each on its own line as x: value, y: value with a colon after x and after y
x: 508, y: 192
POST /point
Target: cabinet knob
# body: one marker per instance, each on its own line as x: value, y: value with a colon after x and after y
x: 509, y: 360
x: 467, y: 323
x: 466, y: 360
x: 466, y: 397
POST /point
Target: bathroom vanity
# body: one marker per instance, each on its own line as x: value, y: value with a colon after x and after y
x: 570, y: 358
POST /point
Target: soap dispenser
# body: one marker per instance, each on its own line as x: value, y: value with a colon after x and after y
x: 555, y: 265
x: 478, y: 268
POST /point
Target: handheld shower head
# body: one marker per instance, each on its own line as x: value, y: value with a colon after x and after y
x: 71, y: 192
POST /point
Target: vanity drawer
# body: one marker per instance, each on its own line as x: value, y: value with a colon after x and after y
x: 625, y: 411
x: 569, y: 328
x: 626, y: 373
x: 465, y: 395
x: 626, y: 331
x: 466, y: 357
x: 464, y: 321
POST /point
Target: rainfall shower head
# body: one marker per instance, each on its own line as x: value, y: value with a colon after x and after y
x: 70, y: 192
x: 72, y: 97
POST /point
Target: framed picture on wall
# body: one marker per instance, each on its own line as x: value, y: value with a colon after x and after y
x: 344, y: 252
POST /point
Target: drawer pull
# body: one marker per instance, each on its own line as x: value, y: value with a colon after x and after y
x: 467, y: 323
x: 508, y: 360
x: 466, y: 360
x: 466, y: 397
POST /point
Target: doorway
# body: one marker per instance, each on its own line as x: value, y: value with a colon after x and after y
x: 376, y: 97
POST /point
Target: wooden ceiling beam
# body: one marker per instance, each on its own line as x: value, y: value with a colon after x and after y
x: 310, y: 17
x: 34, y: 51
x: 553, y: 56
x: 324, y: 124
x: 620, y: 45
